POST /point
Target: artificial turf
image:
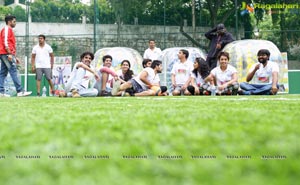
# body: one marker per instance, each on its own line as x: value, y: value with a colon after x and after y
x: 150, y: 140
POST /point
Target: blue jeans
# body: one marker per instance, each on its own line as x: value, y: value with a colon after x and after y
x: 11, y: 67
x: 256, y: 89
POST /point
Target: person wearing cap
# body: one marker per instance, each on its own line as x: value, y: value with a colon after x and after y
x: 219, y: 38
x: 263, y: 74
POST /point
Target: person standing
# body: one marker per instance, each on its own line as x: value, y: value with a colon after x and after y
x: 219, y: 38
x: 152, y: 53
x: 8, y: 57
x: 42, y: 60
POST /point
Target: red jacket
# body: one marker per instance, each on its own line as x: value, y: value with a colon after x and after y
x: 7, y: 38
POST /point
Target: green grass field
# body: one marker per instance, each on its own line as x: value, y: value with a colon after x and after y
x: 173, y: 134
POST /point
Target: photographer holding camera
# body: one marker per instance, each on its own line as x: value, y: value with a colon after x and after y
x: 219, y: 37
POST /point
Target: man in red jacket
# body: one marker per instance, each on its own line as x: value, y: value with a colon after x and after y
x: 8, y: 57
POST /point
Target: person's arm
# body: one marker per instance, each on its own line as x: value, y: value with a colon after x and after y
x: 173, y: 80
x: 51, y: 60
x: 187, y: 83
x: 33, y: 62
x: 88, y: 69
x: 274, y: 82
x: 228, y: 38
x: 143, y: 78
x: 211, y: 33
x: 109, y: 71
x: 6, y: 44
x: 252, y: 72
x: 234, y: 78
x: 210, y: 79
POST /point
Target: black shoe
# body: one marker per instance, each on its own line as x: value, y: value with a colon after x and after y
x: 105, y: 93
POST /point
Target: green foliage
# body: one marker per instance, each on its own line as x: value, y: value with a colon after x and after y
x: 151, y: 126
x: 4, y: 10
x: 20, y: 13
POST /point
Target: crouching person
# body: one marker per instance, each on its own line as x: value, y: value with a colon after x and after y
x: 224, y: 76
x: 144, y: 84
x: 264, y: 75
x: 79, y: 82
x: 200, y: 72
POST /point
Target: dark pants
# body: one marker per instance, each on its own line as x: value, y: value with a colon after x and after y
x: 212, y: 62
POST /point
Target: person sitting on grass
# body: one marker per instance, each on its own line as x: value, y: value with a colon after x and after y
x: 180, y: 74
x: 264, y: 75
x: 200, y: 72
x: 143, y: 84
x: 78, y: 83
x: 224, y: 76
x: 147, y: 63
x: 107, y: 76
x: 124, y: 74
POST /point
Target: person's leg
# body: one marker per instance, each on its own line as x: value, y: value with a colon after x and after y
x: 176, y: 91
x: 262, y: 89
x: 14, y: 75
x: 104, y: 80
x: 191, y: 89
x: 38, y: 87
x: 3, y: 73
x: 48, y: 75
x: 146, y: 93
x: 76, y: 84
x: 91, y: 92
x: 233, y: 89
x: 38, y: 77
x: 246, y: 88
x: 213, y: 63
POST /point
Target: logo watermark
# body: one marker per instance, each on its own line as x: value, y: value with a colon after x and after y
x: 247, y: 8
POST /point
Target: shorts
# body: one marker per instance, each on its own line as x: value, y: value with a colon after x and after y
x: 136, y: 86
x: 40, y: 71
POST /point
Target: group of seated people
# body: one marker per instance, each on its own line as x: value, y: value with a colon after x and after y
x: 187, y: 78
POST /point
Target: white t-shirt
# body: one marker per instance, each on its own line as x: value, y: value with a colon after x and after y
x: 152, y: 54
x: 182, y: 72
x: 264, y: 74
x: 42, y: 56
x: 223, y: 76
x: 86, y: 82
x: 120, y: 74
x: 199, y: 80
x: 151, y: 77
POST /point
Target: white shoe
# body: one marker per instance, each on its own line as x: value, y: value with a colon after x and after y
x: 4, y: 95
x: 116, y: 88
x: 24, y: 93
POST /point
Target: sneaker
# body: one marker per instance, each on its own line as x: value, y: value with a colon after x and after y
x: 24, y: 93
x: 4, y: 95
x: 116, y: 88
x: 75, y: 94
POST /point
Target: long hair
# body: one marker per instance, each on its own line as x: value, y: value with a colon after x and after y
x: 203, y: 68
x: 129, y: 73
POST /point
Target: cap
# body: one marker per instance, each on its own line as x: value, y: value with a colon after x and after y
x: 220, y: 27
